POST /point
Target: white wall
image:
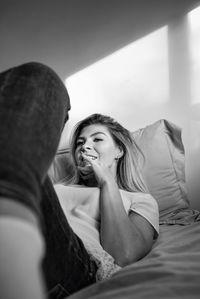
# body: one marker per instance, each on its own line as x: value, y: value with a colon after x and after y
x: 131, y: 84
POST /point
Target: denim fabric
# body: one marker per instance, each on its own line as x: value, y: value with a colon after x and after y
x: 34, y: 106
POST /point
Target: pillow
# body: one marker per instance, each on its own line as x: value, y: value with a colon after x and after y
x: 164, y: 165
x: 163, y: 168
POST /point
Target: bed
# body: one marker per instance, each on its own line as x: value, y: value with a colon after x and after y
x: 172, y: 268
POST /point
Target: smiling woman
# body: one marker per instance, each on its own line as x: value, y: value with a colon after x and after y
x: 106, y: 139
x: 95, y: 145
x: 106, y: 202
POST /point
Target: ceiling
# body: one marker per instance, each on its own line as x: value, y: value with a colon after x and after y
x: 72, y: 34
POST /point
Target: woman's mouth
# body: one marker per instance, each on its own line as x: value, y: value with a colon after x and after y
x: 83, y: 162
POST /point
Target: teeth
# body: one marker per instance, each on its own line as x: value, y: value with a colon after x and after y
x: 92, y: 157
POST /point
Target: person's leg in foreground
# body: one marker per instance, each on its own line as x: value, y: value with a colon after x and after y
x: 34, y: 106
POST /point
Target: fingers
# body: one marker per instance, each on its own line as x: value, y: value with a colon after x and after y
x: 90, y: 159
x: 85, y: 168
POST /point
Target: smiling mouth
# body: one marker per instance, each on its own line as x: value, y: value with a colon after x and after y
x: 83, y: 162
x: 91, y: 156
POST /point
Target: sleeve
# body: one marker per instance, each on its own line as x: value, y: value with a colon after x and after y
x: 145, y: 205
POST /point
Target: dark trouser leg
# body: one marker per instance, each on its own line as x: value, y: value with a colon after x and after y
x: 34, y: 105
x: 66, y: 262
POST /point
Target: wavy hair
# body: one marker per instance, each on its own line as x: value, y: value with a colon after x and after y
x: 128, y: 175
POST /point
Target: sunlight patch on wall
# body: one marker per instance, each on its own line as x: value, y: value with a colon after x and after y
x: 125, y: 85
x: 194, y: 21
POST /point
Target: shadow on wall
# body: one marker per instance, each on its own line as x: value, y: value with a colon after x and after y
x: 128, y: 85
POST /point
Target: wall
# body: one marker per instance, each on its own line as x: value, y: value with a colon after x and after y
x: 69, y: 35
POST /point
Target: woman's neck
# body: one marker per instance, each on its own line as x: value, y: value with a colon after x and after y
x: 89, y: 181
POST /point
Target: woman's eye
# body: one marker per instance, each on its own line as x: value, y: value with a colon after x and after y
x: 97, y: 139
x: 78, y: 143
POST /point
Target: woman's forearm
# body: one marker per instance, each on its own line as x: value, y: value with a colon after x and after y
x: 119, y: 236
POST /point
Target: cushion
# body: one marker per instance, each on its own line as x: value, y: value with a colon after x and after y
x: 163, y: 166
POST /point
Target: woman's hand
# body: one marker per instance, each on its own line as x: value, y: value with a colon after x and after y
x: 101, y: 171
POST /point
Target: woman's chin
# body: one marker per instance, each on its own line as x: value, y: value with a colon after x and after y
x: 87, y: 176
x: 86, y: 171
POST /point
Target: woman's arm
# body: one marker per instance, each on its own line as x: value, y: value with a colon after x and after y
x: 126, y: 238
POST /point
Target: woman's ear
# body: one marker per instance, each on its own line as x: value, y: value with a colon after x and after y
x: 120, y: 153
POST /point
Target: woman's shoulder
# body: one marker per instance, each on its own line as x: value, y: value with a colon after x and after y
x: 138, y: 197
x: 76, y: 193
x: 75, y: 189
x: 135, y: 194
x: 60, y: 186
x: 66, y: 186
x: 62, y: 189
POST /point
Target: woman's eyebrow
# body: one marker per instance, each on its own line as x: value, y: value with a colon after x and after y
x: 96, y: 133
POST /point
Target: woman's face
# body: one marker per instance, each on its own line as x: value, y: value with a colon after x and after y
x: 97, y: 142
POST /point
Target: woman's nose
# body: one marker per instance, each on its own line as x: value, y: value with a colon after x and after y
x: 86, y: 147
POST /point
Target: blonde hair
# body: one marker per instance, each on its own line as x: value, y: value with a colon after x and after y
x: 129, y: 176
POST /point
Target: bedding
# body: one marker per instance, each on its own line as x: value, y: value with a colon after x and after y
x: 170, y: 270
x: 172, y: 267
